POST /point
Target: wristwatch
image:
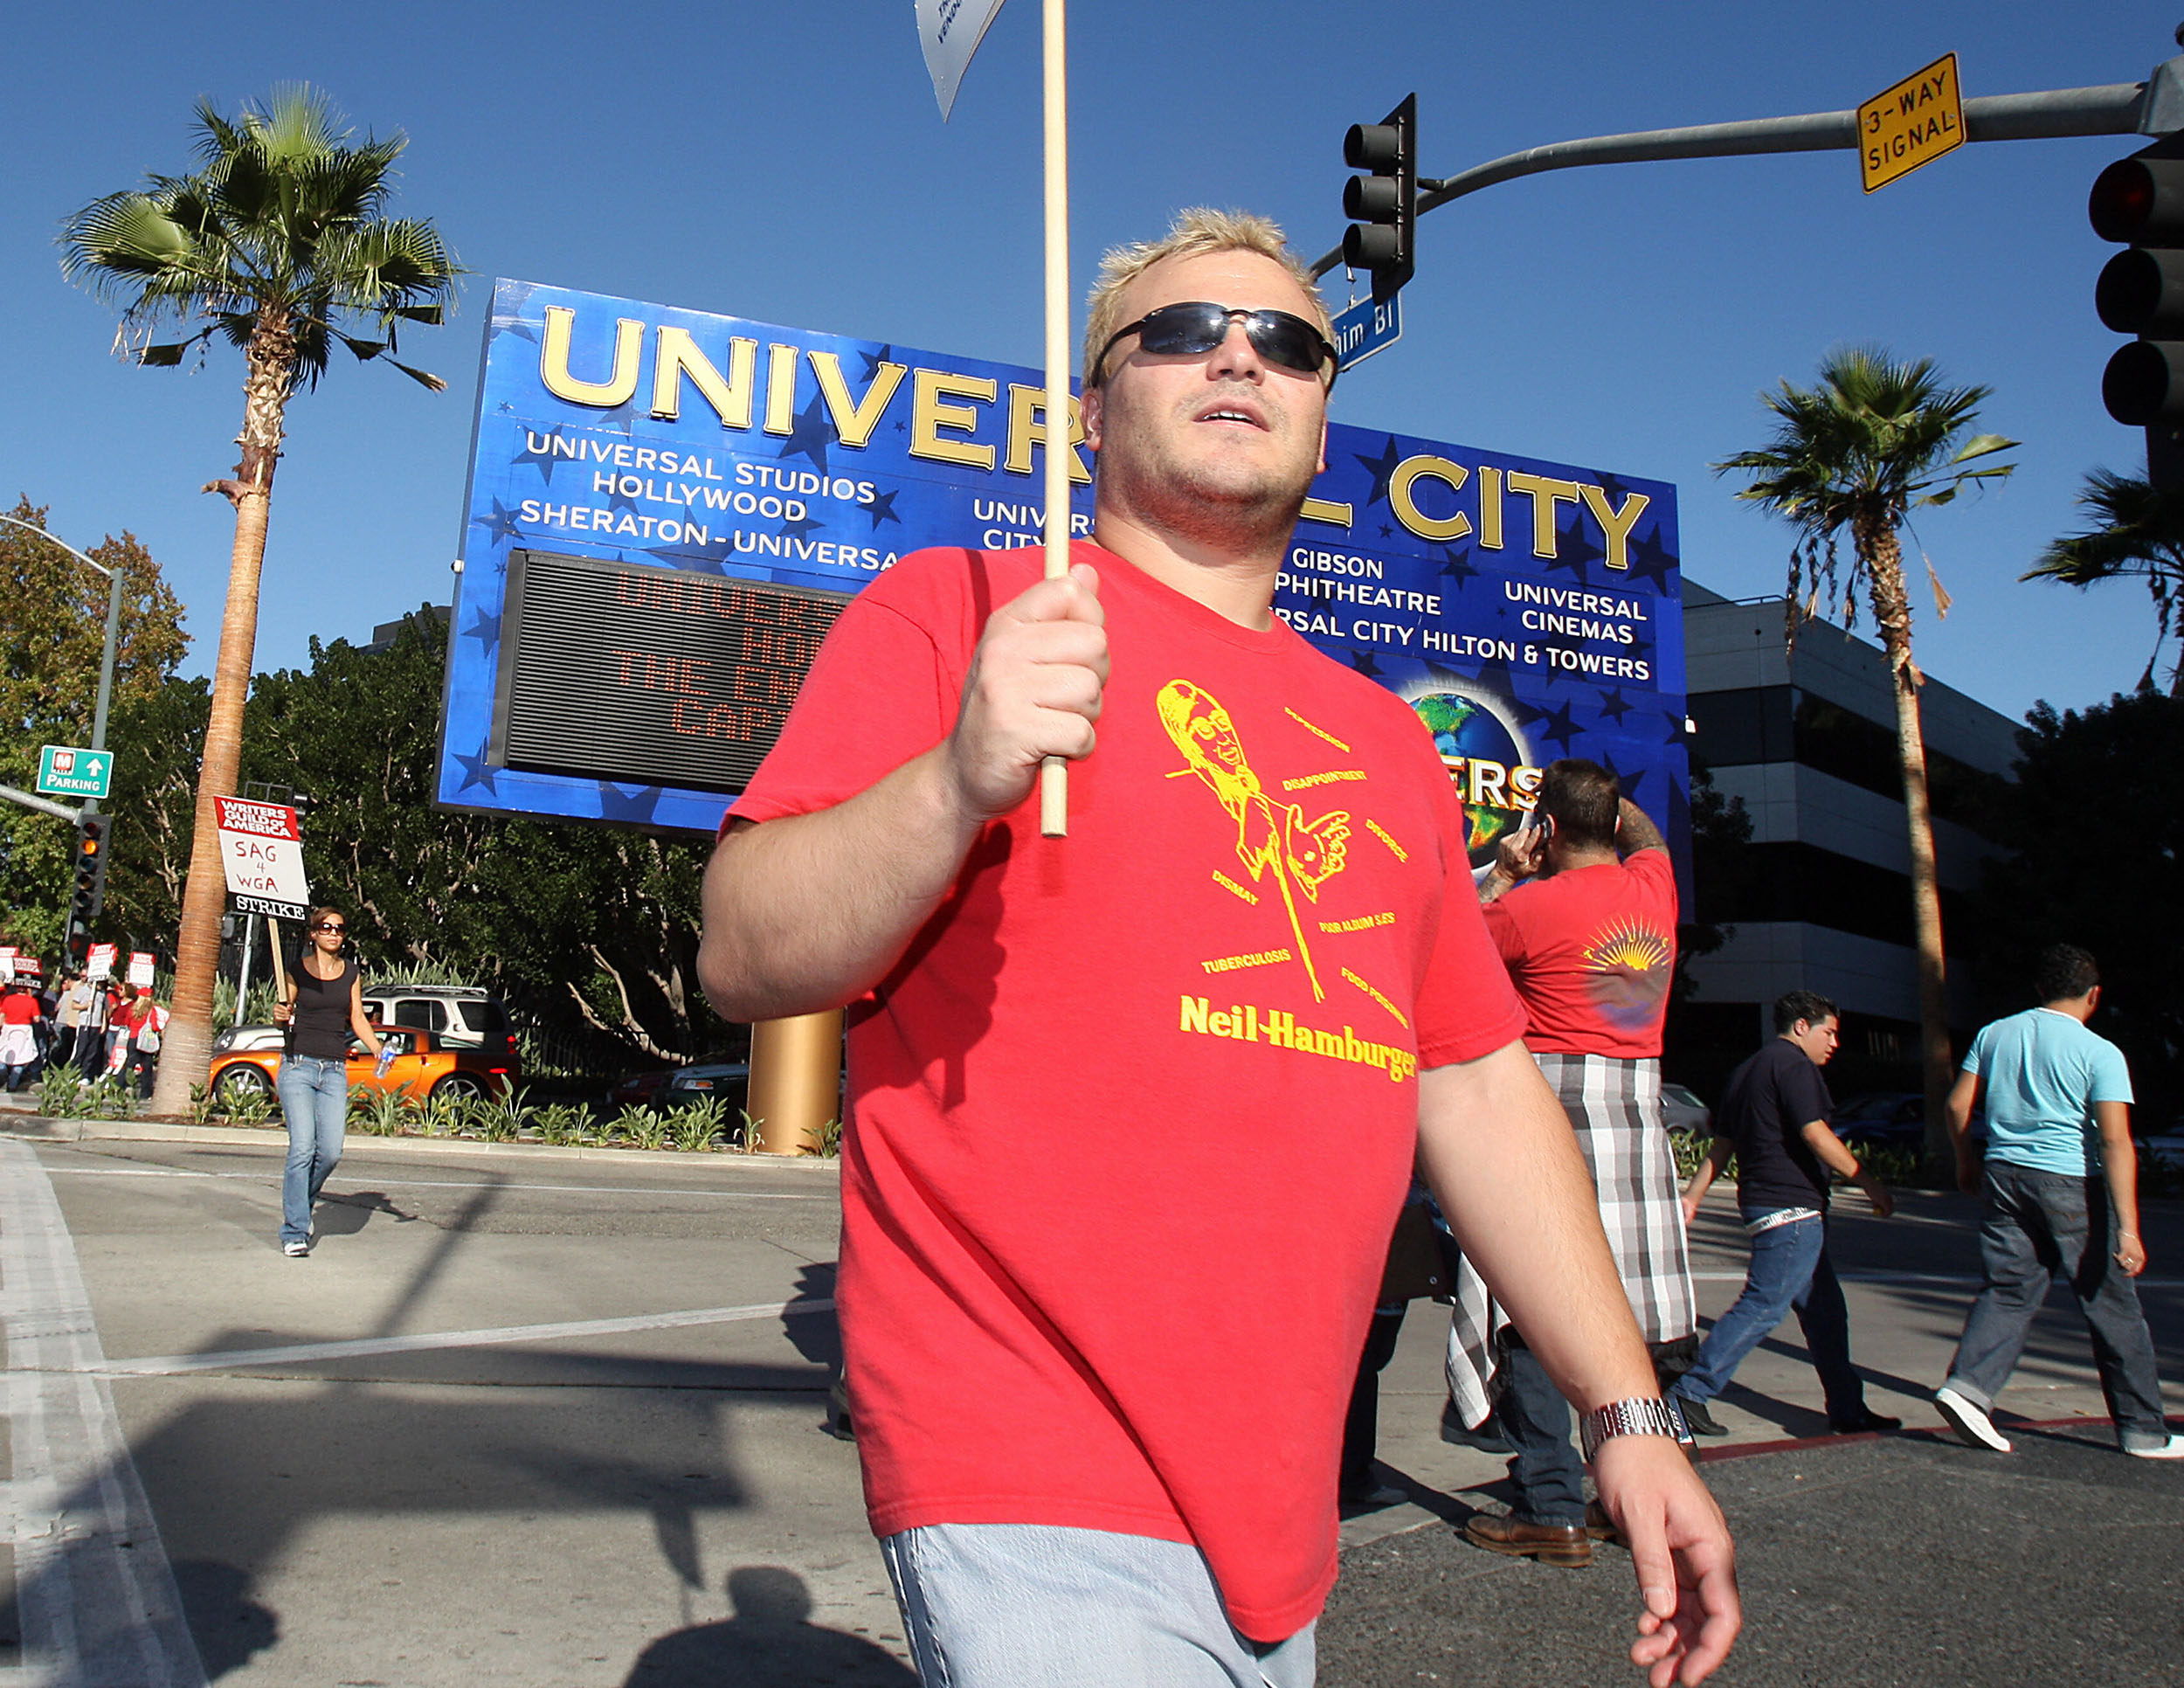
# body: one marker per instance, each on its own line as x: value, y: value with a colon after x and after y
x: 1642, y: 1415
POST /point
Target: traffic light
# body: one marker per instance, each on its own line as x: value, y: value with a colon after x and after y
x: 2140, y: 200
x: 1382, y: 206
x: 91, y: 873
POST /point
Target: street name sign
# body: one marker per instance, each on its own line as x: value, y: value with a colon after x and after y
x: 261, y: 849
x: 64, y: 771
x: 1911, y: 124
x: 1369, y: 326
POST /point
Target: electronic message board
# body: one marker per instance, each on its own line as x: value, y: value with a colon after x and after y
x: 666, y: 508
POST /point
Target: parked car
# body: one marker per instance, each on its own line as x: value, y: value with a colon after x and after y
x: 2165, y: 1148
x: 639, y: 1090
x: 424, y: 1066
x: 1683, y: 1111
x: 1888, y: 1119
x: 249, y: 1037
x: 458, y: 1016
x: 727, y: 1080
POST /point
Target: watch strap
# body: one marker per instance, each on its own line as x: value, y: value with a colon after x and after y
x: 1641, y: 1415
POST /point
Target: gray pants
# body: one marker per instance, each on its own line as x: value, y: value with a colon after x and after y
x: 2038, y: 1226
x: 1039, y: 1605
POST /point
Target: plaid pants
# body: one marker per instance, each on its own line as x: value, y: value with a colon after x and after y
x: 1614, y: 1109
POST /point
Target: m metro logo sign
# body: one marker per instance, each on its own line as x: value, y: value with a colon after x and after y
x: 1904, y: 127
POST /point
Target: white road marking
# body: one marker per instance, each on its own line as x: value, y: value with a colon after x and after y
x: 448, y: 1183
x: 299, y: 1353
x: 97, y: 1599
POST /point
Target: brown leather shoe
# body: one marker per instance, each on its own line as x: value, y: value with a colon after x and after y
x: 1550, y: 1544
x: 1598, y: 1525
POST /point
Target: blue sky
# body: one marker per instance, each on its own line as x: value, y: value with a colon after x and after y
x: 787, y: 162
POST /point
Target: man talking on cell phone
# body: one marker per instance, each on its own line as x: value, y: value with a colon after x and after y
x: 1049, y: 1317
x: 1581, y: 902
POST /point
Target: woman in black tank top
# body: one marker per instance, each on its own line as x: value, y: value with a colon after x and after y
x: 323, y: 1004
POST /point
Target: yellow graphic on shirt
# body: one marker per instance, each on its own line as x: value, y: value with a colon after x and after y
x: 1629, y: 961
x: 1273, y: 839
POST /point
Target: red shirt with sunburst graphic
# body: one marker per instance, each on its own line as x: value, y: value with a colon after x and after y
x: 1590, y: 951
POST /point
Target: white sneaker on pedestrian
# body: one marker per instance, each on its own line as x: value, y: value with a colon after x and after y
x: 295, y: 1249
x: 2172, y: 1448
x: 1970, y: 1423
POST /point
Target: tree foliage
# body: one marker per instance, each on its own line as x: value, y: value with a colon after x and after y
x: 2114, y: 889
x: 2138, y: 531
x: 592, y: 931
x: 53, y: 621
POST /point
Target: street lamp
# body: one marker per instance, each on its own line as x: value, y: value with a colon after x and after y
x: 106, y: 671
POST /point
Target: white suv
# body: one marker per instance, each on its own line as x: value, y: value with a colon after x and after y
x: 460, y: 1016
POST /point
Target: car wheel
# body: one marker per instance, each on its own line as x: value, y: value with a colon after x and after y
x: 240, y: 1080
x: 458, y: 1087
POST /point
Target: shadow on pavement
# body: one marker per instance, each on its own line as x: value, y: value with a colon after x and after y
x: 770, y: 1642
x: 229, y: 1627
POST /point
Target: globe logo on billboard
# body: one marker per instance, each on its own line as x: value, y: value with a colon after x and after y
x: 1490, y: 769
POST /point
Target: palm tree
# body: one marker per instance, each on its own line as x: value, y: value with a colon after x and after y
x: 275, y: 242
x: 2141, y: 532
x: 1870, y: 442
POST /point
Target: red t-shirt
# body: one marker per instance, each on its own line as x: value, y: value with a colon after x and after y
x: 18, y: 1008
x: 1131, y: 1121
x: 1591, y: 949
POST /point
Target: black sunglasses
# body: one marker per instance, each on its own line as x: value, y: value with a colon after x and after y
x: 1196, y: 326
x: 329, y: 926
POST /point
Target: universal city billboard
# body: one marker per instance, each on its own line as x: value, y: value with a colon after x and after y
x: 668, y: 508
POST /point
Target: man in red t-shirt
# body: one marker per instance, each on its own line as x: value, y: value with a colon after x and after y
x: 1131, y: 1113
x: 1582, y: 905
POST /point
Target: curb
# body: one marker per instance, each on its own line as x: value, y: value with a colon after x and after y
x: 47, y: 1130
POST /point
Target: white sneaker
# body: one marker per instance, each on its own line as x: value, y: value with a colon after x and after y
x: 2172, y: 1448
x: 1970, y: 1423
x: 295, y: 1249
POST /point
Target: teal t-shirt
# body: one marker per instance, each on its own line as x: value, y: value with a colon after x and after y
x: 2042, y: 1072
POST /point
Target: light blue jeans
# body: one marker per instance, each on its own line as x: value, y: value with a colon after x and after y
x: 1039, y: 1606
x: 315, y: 1098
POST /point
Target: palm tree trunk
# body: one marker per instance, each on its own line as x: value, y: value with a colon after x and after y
x: 187, y: 1046
x: 1876, y: 540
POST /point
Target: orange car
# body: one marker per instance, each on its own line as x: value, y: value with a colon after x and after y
x: 420, y: 1069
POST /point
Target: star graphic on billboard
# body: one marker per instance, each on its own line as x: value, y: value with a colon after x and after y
x: 1556, y: 726
x: 1651, y: 558
x: 475, y: 772
x: 635, y: 808
x: 1614, y: 706
x: 622, y: 418
x: 545, y: 460
x: 1457, y: 565
x: 1672, y: 729
x: 873, y: 360
x: 1381, y: 469
x: 1629, y: 780
x: 1574, y: 548
x: 1362, y: 661
x: 500, y: 524
x: 796, y: 527
x: 882, y: 508
x: 808, y: 435
x: 618, y: 500
x: 705, y: 556
x: 485, y: 629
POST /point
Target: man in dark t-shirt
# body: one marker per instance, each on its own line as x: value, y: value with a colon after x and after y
x: 1773, y: 1118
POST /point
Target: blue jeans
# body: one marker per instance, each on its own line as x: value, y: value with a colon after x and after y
x: 1790, y: 1270
x: 1039, y: 1606
x: 2038, y: 1226
x: 314, y: 1099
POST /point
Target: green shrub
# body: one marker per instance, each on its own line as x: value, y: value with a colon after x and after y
x: 248, y: 1108
x: 380, y: 1113
x: 561, y: 1122
x: 824, y: 1141
x: 58, y: 1089
x: 644, y: 1127
x: 695, y: 1125
x: 497, y: 1119
x: 200, y: 1105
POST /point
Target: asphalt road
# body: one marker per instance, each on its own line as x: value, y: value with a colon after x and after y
x: 543, y: 1420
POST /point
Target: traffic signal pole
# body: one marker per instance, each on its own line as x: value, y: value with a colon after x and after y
x: 2154, y: 107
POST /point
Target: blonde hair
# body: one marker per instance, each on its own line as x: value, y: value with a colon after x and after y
x: 1197, y: 232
